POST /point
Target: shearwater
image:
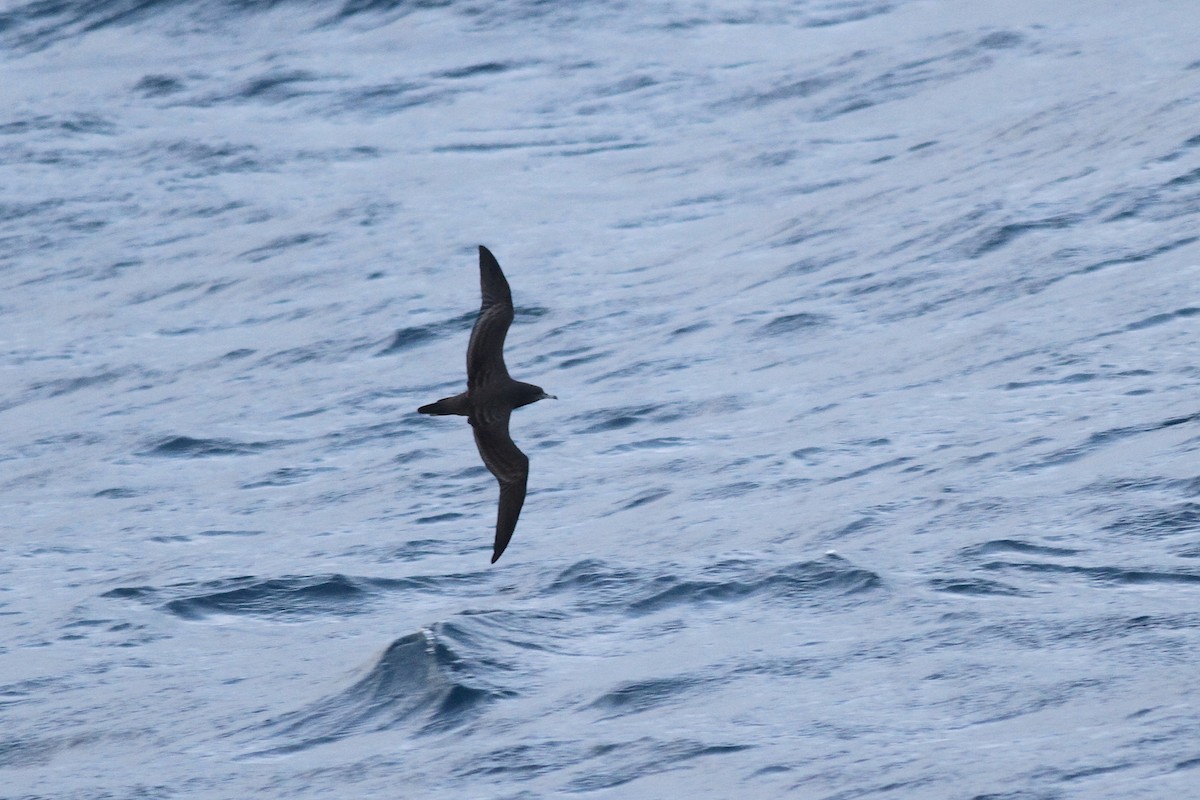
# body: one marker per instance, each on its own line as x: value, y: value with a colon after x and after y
x: 491, y: 396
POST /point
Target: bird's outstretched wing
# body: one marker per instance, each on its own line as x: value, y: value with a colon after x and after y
x: 511, y: 468
x: 485, y: 352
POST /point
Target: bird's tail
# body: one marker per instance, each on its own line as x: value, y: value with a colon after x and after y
x: 447, y: 405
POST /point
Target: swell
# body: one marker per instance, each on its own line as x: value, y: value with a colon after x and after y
x: 829, y: 580
x: 419, y: 683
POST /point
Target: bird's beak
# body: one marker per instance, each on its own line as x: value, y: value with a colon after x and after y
x: 546, y: 396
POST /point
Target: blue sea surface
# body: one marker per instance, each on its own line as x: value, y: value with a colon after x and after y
x: 875, y: 471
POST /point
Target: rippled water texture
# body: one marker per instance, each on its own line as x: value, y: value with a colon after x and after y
x: 876, y: 468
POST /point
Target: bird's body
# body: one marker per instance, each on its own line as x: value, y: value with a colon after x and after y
x: 491, y: 396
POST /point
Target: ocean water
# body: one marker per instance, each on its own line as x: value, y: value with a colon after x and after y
x: 875, y: 470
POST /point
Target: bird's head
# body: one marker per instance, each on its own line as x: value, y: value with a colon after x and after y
x: 528, y: 393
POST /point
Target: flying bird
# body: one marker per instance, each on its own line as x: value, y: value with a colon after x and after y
x: 491, y: 396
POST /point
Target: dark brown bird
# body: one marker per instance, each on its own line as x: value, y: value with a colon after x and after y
x: 491, y: 396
